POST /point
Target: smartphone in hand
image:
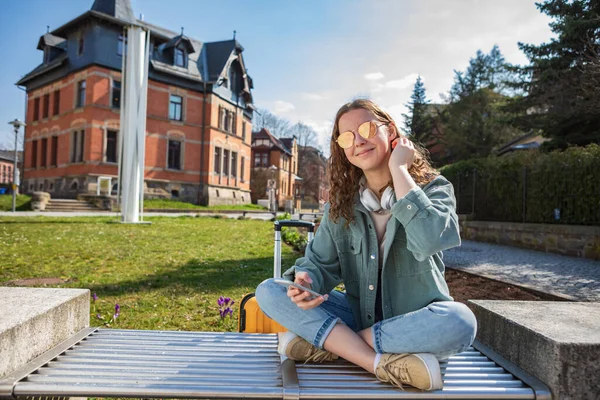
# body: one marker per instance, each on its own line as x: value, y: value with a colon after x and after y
x: 287, y: 284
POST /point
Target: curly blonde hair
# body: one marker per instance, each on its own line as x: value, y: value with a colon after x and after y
x: 344, y: 177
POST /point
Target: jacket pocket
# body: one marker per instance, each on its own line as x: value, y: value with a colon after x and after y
x: 350, y: 252
x: 405, y: 262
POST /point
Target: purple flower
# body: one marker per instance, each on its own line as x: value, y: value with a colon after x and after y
x: 94, y: 297
x: 98, y: 316
x: 227, y: 300
x: 221, y: 301
x: 117, y: 310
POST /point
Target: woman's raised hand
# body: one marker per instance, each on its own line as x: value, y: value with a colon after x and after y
x: 403, y: 153
x: 299, y: 297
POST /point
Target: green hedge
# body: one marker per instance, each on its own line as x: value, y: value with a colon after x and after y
x: 531, y: 186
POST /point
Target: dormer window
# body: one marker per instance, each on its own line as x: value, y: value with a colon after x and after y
x: 46, y: 55
x: 179, y: 57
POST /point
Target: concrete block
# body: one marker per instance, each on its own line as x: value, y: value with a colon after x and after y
x: 557, y: 342
x: 33, y: 320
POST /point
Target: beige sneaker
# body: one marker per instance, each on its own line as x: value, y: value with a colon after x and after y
x: 421, y: 370
x: 297, y: 349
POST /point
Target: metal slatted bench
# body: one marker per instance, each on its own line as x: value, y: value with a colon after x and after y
x: 170, y: 364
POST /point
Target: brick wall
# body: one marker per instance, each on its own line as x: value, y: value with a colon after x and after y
x: 68, y: 178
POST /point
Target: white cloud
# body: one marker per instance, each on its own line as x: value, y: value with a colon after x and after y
x: 403, y: 83
x: 374, y: 76
x: 314, y: 96
x: 282, y: 107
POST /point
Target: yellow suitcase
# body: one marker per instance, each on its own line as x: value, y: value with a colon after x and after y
x: 251, y: 319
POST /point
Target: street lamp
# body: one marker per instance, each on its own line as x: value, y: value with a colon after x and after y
x: 272, y: 199
x: 16, y: 125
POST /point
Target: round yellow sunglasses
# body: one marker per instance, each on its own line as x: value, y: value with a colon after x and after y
x: 366, y: 130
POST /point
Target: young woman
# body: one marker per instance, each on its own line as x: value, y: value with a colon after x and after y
x: 389, y: 218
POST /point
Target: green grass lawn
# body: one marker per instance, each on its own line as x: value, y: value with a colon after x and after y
x: 167, y: 275
x: 23, y: 202
x: 163, y: 203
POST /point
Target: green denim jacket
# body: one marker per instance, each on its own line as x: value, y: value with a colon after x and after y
x: 423, y: 223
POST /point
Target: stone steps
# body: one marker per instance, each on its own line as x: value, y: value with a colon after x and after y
x: 69, y: 205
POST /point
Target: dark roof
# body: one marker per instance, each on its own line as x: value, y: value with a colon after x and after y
x: 9, y: 155
x: 288, y: 142
x: 277, y: 143
x: 43, y: 68
x: 206, y: 64
x: 180, y: 39
x: 120, y: 9
x: 53, y: 41
x: 218, y: 54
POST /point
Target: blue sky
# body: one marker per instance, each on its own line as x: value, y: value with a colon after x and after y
x: 306, y: 57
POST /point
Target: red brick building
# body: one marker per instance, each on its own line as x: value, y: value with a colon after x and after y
x: 199, y: 112
x: 276, y: 159
x: 312, y: 168
x: 7, y: 162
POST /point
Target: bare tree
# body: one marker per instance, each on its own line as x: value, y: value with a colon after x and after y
x: 278, y: 126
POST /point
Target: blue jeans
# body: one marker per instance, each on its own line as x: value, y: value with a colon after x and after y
x: 442, y: 328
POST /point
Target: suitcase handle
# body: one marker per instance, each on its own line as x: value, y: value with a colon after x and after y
x: 295, y: 223
x: 277, y: 250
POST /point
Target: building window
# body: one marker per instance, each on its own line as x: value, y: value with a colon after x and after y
x: 80, y: 94
x: 121, y: 45
x: 175, y: 106
x: 46, y: 55
x: 234, y: 164
x: 265, y: 159
x: 179, y: 58
x: 80, y: 45
x: 56, y: 110
x: 46, y: 109
x: 244, y: 131
x: 174, y: 155
x: 227, y: 120
x: 77, y: 138
x: 44, y: 151
x: 218, y: 160
x: 225, y: 162
x: 111, y: 146
x: 36, y: 109
x: 54, y: 151
x: 257, y: 159
x: 242, y: 167
x: 116, y: 94
x: 34, y: 154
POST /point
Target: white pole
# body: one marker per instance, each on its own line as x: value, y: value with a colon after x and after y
x: 134, y: 123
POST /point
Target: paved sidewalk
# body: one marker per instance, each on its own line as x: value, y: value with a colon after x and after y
x: 264, y: 216
x: 571, y: 277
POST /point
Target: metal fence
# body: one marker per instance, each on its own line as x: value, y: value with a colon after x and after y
x: 569, y: 196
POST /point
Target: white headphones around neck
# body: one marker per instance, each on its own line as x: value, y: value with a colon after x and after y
x: 371, y: 201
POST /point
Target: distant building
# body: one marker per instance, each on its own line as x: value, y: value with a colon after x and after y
x: 199, y: 111
x: 277, y: 159
x: 312, y: 168
x: 7, y: 162
x: 525, y: 142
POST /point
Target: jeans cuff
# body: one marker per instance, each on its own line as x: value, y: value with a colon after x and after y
x: 325, y: 330
x: 376, y: 334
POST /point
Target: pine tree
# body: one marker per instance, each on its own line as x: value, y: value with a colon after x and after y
x: 417, y: 123
x: 560, y: 86
x: 474, y: 122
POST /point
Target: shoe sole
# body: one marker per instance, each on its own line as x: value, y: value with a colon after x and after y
x: 433, y: 369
